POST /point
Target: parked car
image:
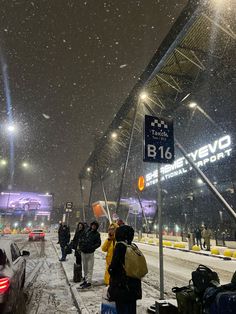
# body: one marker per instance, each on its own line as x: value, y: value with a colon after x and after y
x: 12, y: 275
x: 36, y: 234
x: 25, y: 203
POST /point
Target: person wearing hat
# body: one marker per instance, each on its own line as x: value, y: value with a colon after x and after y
x: 90, y: 241
x: 109, y: 246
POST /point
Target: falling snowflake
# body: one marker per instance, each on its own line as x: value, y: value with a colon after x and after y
x: 46, y: 116
x: 123, y: 66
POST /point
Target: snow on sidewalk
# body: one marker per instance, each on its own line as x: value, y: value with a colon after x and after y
x: 89, y: 301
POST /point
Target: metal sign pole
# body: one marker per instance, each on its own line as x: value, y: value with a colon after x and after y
x: 161, y: 265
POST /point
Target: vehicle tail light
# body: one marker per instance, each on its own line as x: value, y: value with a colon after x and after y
x: 42, y: 234
x: 31, y: 234
x: 4, y: 284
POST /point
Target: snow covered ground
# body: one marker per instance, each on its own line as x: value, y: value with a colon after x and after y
x: 48, y: 291
x: 178, y: 267
x: 46, y: 288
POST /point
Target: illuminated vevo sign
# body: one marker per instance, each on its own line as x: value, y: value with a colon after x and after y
x: 209, y: 153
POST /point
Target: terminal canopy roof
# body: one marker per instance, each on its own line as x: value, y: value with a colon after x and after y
x: 175, y: 75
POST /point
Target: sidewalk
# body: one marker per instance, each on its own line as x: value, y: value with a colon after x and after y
x: 89, y: 301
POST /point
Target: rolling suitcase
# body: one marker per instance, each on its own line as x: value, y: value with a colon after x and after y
x: 77, y: 277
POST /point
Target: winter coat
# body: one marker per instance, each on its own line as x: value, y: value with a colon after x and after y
x: 206, y: 234
x: 123, y: 289
x: 90, y: 241
x: 64, y: 236
x: 198, y: 234
x: 78, y: 235
x: 109, y: 246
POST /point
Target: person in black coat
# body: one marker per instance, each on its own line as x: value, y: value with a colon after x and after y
x: 64, y: 239
x: 88, y: 243
x: 124, y: 290
x: 75, y: 242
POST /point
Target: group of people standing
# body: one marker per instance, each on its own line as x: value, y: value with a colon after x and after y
x: 86, y: 240
x: 123, y: 290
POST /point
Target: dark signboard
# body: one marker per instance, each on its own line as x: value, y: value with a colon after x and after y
x: 158, y: 140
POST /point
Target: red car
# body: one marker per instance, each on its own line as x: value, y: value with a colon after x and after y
x: 36, y: 234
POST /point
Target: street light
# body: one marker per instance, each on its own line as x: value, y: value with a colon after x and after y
x: 25, y: 165
x: 143, y: 96
x: 193, y: 105
x: 199, y: 181
x: 3, y: 162
x: 113, y: 135
x: 88, y: 169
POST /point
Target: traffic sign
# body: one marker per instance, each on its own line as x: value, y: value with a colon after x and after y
x: 69, y: 205
x: 158, y: 140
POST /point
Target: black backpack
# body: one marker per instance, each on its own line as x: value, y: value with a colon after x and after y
x: 203, y: 278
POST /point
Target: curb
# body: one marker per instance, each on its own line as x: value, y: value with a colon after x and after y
x: 75, y: 295
x: 194, y: 252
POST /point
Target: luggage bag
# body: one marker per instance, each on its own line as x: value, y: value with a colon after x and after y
x: 77, y: 276
x: 224, y: 303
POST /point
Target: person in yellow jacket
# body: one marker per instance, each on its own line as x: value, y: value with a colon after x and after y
x: 109, y: 246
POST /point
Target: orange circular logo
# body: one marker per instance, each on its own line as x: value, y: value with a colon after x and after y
x: 141, y: 183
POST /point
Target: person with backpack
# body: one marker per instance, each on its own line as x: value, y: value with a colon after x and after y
x: 123, y: 289
x: 88, y: 243
x: 109, y: 247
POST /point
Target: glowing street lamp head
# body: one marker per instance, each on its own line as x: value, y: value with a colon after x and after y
x: 143, y: 96
x: 3, y: 162
x: 11, y: 128
x: 25, y: 165
x: 113, y: 135
x: 88, y: 169
x: 193, y: 105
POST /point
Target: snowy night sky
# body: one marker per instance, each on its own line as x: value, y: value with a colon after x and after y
x: 70, y: 66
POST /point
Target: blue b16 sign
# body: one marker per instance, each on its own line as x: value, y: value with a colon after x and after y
x: 158, y: 140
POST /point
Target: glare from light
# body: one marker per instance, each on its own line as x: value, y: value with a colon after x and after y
x: 177, y: 228
x: 11, y: 128
x: 42, y: 224
x: 16, y: 224
x: 47, y: 193
x: 29, y: 224
x: 193, y: 105
x: 143, y: 96
x: 3, y: 162
x: 88, y: 169
x: 155, y: 227
x: 25, y: 165
x: 113, y: 135
x: 111, y: 171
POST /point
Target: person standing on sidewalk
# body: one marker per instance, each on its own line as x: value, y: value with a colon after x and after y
x: 124, y: 290
x: 198, y: 236
x: 75, y: 242
x: 90, y: 241
x: 64, y: 239
x: 109, y: 246
x: 206, y: 234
